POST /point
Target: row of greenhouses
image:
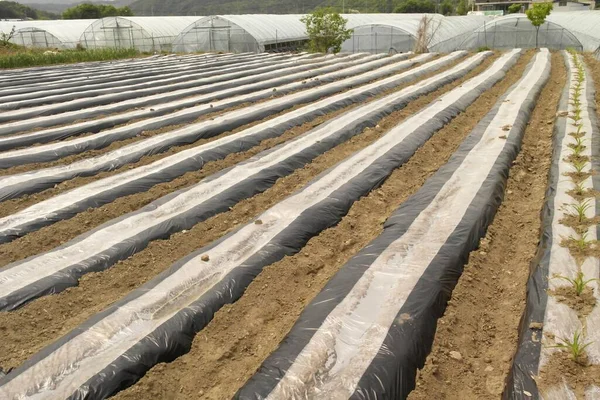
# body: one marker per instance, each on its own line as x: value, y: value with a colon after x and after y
x: 374, y: 33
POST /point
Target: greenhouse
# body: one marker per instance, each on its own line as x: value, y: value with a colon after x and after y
x: 516, y: 30
x: 140, y: 33
x: 385, y: 33
x: 242, y: 33
x: 49, y: 34
x: 584, y: 25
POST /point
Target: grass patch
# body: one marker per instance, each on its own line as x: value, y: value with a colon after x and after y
x: 19, y: 57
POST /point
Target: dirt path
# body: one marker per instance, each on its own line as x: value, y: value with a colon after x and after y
x: 482, y: 319
x: 14, y: 205
x: 230, y: 349
x: 149, y: 133
x: 27, y: 330
x: 65, y: 230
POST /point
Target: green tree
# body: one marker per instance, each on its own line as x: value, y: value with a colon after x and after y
x: 462, y: 8
x: 446, y: 8
x: 93, y: 11
x: 537, y: 15
x: 326, y: 30
x: 415, y: 7
x: 514, y: 8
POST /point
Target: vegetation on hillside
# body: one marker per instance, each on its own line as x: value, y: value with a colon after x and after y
x: 95, y: 11
x: 14, y: 10
x: 326, y: 30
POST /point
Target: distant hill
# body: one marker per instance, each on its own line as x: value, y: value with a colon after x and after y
x: 215, y: 7
x: 13, y: 10
x: 58, y: 6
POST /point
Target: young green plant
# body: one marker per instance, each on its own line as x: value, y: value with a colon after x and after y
x: 574, y: 346
x: 579, y: 283
x: 580, y: 210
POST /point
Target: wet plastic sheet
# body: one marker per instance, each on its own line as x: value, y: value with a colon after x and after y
x: 202, y: 79
x: 49, y: 100
x: 174, y: 112
x: 371, y: 327
x: 37, y: 180
x: 163, y: 104
x: 544, y: 316
x: 158, y: 321
x: 97, y: 81
x: 98, y: 249
x: 42, y: 75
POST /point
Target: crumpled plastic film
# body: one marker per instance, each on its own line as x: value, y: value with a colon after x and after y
x: 371, y: 327
x: 158, y: 321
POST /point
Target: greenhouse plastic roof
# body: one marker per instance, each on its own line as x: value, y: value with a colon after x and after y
x: 67, y: 31
x: 515, y: 22
x: 154, y: 26
x: 266, y: 28
x: 584, y: 25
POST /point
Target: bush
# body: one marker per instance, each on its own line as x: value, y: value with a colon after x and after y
x: 514, y: 8
x: 19, y: 57
x: 326, y: 30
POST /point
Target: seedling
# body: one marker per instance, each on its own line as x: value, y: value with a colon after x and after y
x: 579, y: 189
x: 579, y: 284
x: 581, y: 244
x: 576, y: 115
x: 574, y: 346
x: 580, y: 209
x: 577, y: 150
x: 579, y: 166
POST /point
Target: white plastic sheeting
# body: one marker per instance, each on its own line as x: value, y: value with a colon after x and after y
x: 59, y: 34
x: 384, y: 33
x: 141, y: 33
x: 517, y: 31
x: 584, y: 25
x: 241, y: 33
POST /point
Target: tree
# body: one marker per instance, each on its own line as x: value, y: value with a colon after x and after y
x: 537, y: 15
x: 462, y: 8
x: 93, y: 11
x: 326, y: 30
x: 415, y: 7
x: 514, y: 8
x: 446, y: 8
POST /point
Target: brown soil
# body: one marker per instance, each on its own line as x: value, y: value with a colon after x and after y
x: 578, y: 375
x: 146, y: 134
x: 62, y: 231
x: 53, y: 316
x: 578, y: 177
x: 582, y: 195
x: 14, y: 205
x: 482, y: 318
x: 583, y: 304
x: 591, y: 249
x: 581, y: 227
x: 228, y: 351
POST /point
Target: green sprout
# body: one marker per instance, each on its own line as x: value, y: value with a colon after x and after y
x: 579, y: 165
x: 579, y: 189
x: 582, y: 243
x: 573, y: 346
x: 580, y: 209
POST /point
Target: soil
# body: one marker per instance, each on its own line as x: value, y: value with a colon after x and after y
x: 14, y: 205
x: 50, y: 317
x: 232, y: 347
x: 65, y: 230
x: 578, y: 375
x: 482, y: 318
x: 583, y: 304
x: 146, y: 134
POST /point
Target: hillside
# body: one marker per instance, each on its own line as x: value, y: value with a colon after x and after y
x: 58, y: 6
x: 13, y: 10
x: 212, y: 7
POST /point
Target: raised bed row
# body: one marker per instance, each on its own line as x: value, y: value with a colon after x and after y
x: 558, y: 355
x: 157, y: 321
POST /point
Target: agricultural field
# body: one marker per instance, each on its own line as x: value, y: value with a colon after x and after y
x: 301, y: 226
